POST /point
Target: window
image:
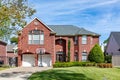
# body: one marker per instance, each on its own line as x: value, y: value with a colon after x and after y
x: 76, y: 40
x: 36, y: 37
x: 84, y: 56
x: 84, y: 39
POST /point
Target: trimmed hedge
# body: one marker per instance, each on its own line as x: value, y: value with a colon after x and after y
x: 105, y: 65
x: 70, y: 64
x: 82, y: 64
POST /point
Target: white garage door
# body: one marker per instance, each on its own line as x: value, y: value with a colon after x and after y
x: 28, y: 60
x: 46, y: 60
x: 116, y: 60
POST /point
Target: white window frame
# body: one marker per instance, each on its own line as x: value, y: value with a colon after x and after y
x: 39, y: 38
x: 84, y: 56
x: 84, y: 39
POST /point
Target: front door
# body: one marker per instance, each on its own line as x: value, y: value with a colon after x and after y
x: 60, y: 56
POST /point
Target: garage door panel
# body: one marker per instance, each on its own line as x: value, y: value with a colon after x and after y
x: 28, y: 60
x: 46, y: 60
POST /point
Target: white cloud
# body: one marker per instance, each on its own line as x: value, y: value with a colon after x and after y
x: 59, y: 11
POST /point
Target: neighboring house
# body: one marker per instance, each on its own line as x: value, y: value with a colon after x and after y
x: 12, y: 55
x: 42, y: 45
x: 7, y: 55
x: 3, y: 53
x: 113, y: 48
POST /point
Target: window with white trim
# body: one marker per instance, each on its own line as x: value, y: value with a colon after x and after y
x: 36, y: 37
x: 84, y: 56
x: 84, y: 39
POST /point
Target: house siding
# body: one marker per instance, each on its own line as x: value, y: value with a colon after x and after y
x: 112, y: 47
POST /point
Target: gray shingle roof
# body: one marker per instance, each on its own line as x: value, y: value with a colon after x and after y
x: 116, y: 36
x: 71, y: 30
x: 10, y: 47
x: 3, y: 42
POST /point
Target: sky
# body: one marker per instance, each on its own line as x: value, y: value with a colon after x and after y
x: 100, y: 16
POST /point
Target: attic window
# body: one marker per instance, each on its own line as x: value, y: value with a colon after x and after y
x: 35, y: 23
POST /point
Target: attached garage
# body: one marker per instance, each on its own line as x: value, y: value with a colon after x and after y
x: 28, y: 60
x: 44, y: 60
x: 116, y: 60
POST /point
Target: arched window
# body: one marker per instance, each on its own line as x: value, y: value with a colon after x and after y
x: 36, y: 37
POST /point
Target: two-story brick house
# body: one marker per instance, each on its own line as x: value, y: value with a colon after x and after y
x: 52, y: 41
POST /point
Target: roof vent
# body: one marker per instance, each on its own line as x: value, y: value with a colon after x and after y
x: 35, y: 23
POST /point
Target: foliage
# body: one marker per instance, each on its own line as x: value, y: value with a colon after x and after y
x: 96, y: 54
x: 105, y: 65
x: 108, y: 58
x: 13, y: 14
x: 68, y: 50
x: 70, y: 64
x: 78, y: 73
x: 106, y: 41
x: 14, y: 40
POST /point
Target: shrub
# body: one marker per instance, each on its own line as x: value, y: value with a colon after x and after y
x: 69, y: 50
x: 108, y: 58
x: 105, y: 65
x: 70, y: 64
x: 96, y: 54
x: 63, y: 64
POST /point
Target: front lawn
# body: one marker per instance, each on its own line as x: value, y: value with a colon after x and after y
x: 78, y: 73
x: 1, y: 68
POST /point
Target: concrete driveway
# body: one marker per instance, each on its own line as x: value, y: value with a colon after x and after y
x: 20, y: 73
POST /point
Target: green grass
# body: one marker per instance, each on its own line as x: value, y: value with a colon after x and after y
x: 1, y: 68
x: 78, y: 73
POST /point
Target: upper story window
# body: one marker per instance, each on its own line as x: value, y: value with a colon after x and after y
x: 36, y: 37
x: 76, y: 40
x: 84, y: 39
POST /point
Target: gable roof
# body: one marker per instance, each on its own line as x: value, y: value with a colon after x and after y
x: 40, y: 22
x: 70, y: 30
x: 116, y: 36
x: 3, y: 42
x: 10, y: 47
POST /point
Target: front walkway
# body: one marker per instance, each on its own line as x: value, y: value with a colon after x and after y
x: 20, y: 73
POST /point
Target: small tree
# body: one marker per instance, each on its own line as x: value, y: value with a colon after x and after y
x: 68, y: 50
x: 14, y: 40
x: 96, y: 54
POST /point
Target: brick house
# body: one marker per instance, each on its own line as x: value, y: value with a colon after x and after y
x: 7, y: 55
x: 42, y: 45
x: 3, y: 53
x: 12, y: 55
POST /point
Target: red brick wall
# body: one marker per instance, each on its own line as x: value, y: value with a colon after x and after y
x: 87, y: 47
x: 24, y: 47
x: 3, y: 52
x: 11, y: 54
x: 79, y: 48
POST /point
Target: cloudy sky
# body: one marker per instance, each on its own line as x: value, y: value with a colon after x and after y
x: 100, y: 16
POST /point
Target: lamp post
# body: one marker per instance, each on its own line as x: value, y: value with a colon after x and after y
x: 41, y: 58
x: 40, y: 51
